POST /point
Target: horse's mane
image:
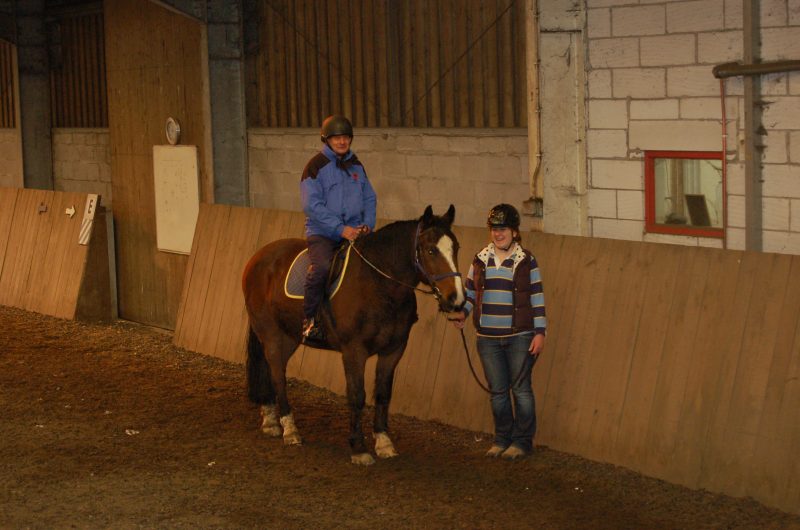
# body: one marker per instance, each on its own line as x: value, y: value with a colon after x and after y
x: 393, y: 244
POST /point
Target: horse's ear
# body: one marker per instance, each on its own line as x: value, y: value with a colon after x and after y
x: 450, y: 215
x: 427, y: 217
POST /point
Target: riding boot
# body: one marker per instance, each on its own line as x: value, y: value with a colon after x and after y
x: 312, y: 331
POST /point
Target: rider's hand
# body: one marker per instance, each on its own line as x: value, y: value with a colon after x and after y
x: 364, y: 229
x: 350, y: 233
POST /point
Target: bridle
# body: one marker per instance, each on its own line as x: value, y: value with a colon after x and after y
x: 430, y: 279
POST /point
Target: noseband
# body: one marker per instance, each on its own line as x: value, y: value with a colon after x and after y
x: 429, y: 279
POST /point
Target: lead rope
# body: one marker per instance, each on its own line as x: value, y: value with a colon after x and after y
x: 477, y: 379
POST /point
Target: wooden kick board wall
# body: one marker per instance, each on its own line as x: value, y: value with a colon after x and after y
x: 43, y: 268
x: 681, y: 363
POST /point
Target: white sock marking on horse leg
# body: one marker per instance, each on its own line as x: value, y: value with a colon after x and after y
x: 445, y: 246
x: 291, y: 436
x: 269, y: 421
x: 384, y: 447
x: 362, y: 459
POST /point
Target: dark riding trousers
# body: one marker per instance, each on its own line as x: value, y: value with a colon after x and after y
x: 320, y: 252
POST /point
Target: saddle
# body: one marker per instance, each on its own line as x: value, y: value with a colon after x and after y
x: 294, y: 286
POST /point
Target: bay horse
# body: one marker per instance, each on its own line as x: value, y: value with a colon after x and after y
x: 372, y: 314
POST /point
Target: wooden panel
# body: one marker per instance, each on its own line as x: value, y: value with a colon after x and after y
x: 42, y: 265
x: 147, y: 45
x: 8, y: 201
x: 421, y: 63
x: 678, y: 362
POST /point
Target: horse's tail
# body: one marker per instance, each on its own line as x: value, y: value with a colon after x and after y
x: 259, y: 381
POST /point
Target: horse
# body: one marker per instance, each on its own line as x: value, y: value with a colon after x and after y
x: 371, y: 314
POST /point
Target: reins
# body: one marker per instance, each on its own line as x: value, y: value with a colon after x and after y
x: 431, y: 280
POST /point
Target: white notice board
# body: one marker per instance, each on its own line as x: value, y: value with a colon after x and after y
x: 177, y: 196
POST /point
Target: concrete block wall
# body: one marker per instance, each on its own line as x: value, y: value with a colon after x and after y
x: 650, y: 87
x: 10, y: 159
x: 82, y: 162
x: 409, y: 169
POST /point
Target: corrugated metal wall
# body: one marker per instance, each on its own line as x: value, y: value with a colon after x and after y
x: 389, y: 63
x: 8, y: 108
x: 78, y: 71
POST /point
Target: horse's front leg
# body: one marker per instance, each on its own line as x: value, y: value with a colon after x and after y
x: 384, y: 378
x: 354, y: 362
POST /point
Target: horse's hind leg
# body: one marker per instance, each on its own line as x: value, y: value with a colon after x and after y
x: 259, y: 385
x: 384, y: 377
x: 280, y: 350
x: 354, y: 362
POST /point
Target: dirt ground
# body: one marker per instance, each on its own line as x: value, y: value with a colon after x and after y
x: 113, y: 426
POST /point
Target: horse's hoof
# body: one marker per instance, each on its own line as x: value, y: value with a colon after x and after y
x: 362, y: 459
x: 384, y: 447
x: 271, y: 430
x: 292, y: 439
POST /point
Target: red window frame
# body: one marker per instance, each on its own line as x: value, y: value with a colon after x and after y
x: 650, y: 199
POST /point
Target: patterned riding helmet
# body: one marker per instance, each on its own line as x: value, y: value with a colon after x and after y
x: 503, y: 216
x: 335, y: 126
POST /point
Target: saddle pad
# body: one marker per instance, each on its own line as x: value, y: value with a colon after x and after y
x: 294, y: 286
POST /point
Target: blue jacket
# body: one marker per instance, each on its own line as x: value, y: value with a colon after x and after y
x: 336, y: 193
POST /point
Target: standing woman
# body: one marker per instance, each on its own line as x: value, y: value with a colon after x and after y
x: 505, y: 297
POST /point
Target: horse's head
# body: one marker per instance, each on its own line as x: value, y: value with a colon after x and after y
x: 437, y: 258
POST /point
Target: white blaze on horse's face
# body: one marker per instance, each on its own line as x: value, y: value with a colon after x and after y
x: 445, y: 246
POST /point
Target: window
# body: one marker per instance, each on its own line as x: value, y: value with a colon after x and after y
x: 684, y: 193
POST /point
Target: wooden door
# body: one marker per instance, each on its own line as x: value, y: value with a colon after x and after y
x: 156, y: 68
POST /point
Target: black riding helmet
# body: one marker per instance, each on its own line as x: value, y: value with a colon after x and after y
x: 335, y: 126
x: 503, y: 216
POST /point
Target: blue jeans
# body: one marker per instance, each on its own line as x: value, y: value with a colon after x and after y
x: 503, y: 358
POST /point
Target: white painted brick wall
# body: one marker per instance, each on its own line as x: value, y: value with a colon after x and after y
x: 708, y: 108
x: 670, y: 239
x: 775, y: 214
x: 775, y: 85
x: 735, y: 178
x: 772, y: 13
x: 781, y: 181
x: 600, y: 83
x: 782, y: 242
x: 630, y: 205
x: 618, y: 229
x: 794, y: 147
x: 775, y: 148
x: 82, y: 162
x: 794, y: 215
x: 679, y: 135
x: 602, y: 203
x: 704, y: 15
x: 780, y: 43
x: 668, y: 50
x: 606, y: 144
x: 608, y: 114
x: 641, y: 83
x: 782, y: 113
x: 794, y: 12
x: 735, y: 239
x: 638, y: 20
x: 719, y: 47
x: 658, y: 109
x: 599, y: 23
x: 617, y: 174
x: 733, y: 14
x: 409, y: 169
x: 691, y: 81
x: 736, y: 210
x: 614, y: 53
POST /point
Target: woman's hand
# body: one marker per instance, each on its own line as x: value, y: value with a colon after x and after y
x: 537, y: 344
x: 458, y: 319
x: 350, y: 233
